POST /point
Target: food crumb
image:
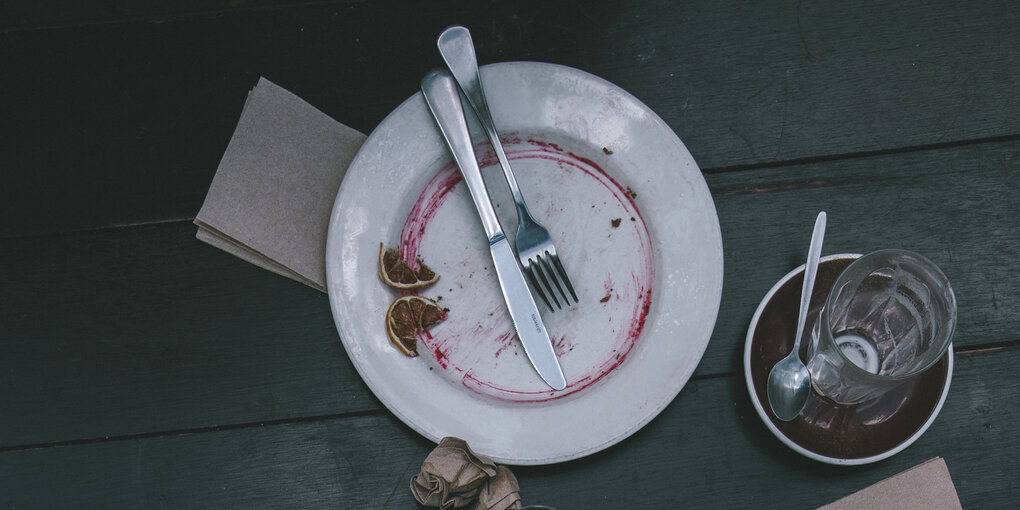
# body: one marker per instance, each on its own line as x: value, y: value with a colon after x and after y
x: 603, y: 300
x: 607, y: 151
x: 632, y: 218
x: 632, y: 193
x: 616, y: 222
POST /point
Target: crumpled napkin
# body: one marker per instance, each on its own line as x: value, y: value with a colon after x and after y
x: 453, y: 476
x: 501, y: 493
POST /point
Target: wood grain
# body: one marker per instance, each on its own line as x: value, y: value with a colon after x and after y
x: 707, y: 449
x: 957, y: 206
x: 145, y: 329
x: 121, y: 123
x: 137, y: 330
x: 32, y: 15
x: 142, y: 368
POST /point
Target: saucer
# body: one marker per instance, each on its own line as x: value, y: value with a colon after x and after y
x: 824, y: 430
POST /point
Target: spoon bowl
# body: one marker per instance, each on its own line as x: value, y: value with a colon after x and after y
x: 789, y: 381
x: 788, y: 387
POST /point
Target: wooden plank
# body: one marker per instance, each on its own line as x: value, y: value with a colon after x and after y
x: 28, y: 14
x: 957, y: 206
x: 125, y: 122
x: 708, y: 449
x: 145, y: 329
x: 137, y: 330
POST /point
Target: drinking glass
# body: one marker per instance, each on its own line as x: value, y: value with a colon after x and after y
x: 889, y: 316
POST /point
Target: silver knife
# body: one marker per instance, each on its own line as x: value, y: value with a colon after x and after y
x: 441, y: 95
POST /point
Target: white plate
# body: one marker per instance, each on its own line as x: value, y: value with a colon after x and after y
x: 625, y: 358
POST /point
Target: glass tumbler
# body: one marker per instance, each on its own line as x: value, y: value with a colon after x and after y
x: 889, y: 316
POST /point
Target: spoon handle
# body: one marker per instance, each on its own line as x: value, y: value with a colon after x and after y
x: 810, y: 271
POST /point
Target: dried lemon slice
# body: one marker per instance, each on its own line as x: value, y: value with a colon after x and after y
x: 397, y: 274
x: 409, y: 315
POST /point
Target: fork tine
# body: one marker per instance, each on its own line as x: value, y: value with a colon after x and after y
x: 563, y: 275
x: 530, y: 273
x: 552, y: 275
x: 540, y: 270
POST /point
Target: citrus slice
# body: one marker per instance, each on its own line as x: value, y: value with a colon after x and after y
x: 398, y: 274
x: 408, y: 316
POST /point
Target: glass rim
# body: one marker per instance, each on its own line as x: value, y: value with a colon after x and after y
x: 823, y: 317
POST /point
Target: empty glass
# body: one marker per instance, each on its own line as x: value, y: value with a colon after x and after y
x: 889, y: 316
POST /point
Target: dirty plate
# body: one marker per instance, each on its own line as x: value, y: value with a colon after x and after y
x: 636, y: 229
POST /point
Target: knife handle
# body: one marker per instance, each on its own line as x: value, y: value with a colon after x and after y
x: 440, y: 91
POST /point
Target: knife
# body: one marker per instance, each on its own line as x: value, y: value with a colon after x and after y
x: 443, y: 99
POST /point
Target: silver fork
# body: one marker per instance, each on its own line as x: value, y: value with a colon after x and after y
x: 535, y: 248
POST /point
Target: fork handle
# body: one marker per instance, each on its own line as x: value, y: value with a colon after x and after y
x: 458, y: 51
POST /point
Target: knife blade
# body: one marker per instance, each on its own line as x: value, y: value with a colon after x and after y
x: 442, y: 97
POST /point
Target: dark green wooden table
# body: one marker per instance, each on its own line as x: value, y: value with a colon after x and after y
x: 142, y: 368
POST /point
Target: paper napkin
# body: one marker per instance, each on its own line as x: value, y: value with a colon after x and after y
x: 271, y: 197
x: 924, y: 487
x: 453, y: 476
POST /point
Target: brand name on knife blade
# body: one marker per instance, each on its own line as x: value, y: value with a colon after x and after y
x: 536, y: 322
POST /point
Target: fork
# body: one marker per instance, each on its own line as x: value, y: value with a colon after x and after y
x: 535, y: 248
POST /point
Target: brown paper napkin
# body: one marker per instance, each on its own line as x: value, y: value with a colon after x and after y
x: 501, y: 493
x: 453, y: 476
x: 924, y: 487
x: 271, y: 198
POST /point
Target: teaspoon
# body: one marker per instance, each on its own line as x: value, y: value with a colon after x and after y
x: 789, y: 380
